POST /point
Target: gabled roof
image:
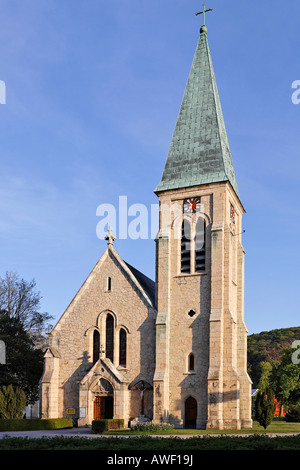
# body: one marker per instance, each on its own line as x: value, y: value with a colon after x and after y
x: 51, y: 352
x: 143, y: 285
x: 199, y: 152
x: 109, y: 366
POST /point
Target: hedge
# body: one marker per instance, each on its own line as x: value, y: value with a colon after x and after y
x: 34, y: 424
x: 101, y: 425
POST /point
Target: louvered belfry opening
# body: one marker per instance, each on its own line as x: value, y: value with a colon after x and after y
x: 200, y: 245
x: 186, y: 247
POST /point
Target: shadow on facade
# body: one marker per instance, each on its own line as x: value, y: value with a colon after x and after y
x: 142, y: 403
x: 71, y: 386
x: 216, y: 398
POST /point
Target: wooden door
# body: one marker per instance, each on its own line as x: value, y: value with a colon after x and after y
x: 190, y: 412
x: 103, y: 408
x: 99, y: 408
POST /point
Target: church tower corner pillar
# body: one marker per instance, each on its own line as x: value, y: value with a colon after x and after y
x: 245, y: 381
x: 161, y: 376
x: 216, y: 343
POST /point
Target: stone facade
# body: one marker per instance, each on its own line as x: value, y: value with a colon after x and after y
x: 70, y: 382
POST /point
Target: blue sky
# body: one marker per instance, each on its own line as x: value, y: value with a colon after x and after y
x: 93, y: 89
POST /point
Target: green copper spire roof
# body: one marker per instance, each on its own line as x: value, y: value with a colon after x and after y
x: 199, y: 152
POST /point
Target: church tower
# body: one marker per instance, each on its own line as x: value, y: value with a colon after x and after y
x: 201, y: 375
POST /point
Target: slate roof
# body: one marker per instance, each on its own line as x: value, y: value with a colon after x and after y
x: 199, y: 152
x: 146, y: 283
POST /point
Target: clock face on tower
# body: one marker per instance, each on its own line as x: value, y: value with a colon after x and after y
x: 191, y: 204
x: 232, y: 213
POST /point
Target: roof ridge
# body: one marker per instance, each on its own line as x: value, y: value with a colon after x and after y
x: 146, y: 282
x: 137, y: 270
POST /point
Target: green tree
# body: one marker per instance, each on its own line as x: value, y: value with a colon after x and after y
x: 12, y: 402
x: 264, y: 407
x: 285, y: 377
x: 266, y: 347
x: 24, y: 362
x: 266, y: 369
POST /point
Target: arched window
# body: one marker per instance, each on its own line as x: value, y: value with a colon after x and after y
x: 110, y: 337
x: 186, y: 247
x: 191, y: 362
x: 200, y: 245
x: 122, y: 348
x: 96, y: 346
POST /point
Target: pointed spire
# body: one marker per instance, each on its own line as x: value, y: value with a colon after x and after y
x: 199, y: 152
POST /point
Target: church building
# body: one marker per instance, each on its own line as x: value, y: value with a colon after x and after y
x: 173, y: 350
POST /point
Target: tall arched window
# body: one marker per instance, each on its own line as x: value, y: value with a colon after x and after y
x: 200, y: 245
x: 122, y: 348
x: 186, y: 247
x: 110, y: 337
x: 96, y: 346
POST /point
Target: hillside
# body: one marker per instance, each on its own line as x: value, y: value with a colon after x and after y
x: 266, y: 346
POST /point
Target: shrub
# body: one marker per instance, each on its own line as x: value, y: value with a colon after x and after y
x: 264, y: 407
x: 34, y: 424
x: 102, y: 425
x: 12, y: 402
x: 150, y: 427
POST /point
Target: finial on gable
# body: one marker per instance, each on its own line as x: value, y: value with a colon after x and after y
x: 110, y: 237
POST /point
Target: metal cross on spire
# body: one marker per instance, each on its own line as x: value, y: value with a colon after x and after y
x: 203, y: 13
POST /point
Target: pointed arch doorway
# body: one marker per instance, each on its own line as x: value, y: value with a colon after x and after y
x: 190, y: 413
x: 104, y: 401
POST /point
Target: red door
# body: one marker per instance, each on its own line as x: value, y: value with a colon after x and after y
x: 103, y: 408
x: 99, y: 408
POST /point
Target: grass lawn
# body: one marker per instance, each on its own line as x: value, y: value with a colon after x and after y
x: 274, y: 427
